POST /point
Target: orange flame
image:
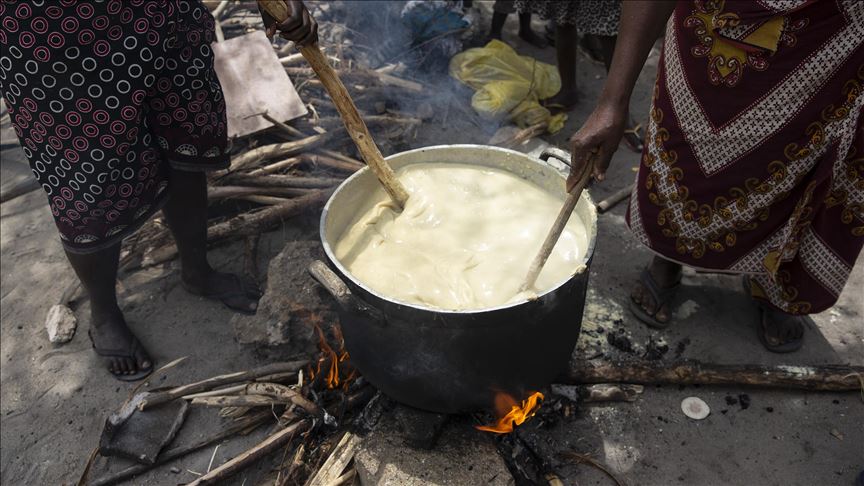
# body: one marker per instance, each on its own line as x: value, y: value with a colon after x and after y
x: 515, y: 416
x: 329, y: 355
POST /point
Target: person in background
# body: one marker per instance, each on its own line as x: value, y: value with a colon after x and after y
x: 754, y: 157
x: 119, y: 111
x: 592, y: 25
x: 503, y: 8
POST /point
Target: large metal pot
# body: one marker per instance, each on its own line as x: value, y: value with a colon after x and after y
x: 446, y: 361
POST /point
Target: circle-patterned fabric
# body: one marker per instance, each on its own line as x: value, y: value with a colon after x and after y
x: 106, y: 98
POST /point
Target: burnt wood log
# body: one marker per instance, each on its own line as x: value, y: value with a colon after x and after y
x: 817, y: 378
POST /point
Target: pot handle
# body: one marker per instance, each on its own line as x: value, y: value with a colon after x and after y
x: 557, y: 153
x: 343, y: 295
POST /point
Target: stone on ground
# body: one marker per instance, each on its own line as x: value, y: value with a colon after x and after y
x: 461, y: 456
x: 60, y: 324
x: 292, y: 301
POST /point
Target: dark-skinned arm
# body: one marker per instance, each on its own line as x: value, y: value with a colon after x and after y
x: 641, y: 24
x: 299, y: 27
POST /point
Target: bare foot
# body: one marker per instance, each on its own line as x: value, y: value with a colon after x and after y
x: 533, y: 38
x: 562, y: 101
x: 228, y: 288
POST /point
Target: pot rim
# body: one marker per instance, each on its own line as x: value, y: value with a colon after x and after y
x: 582, y: 266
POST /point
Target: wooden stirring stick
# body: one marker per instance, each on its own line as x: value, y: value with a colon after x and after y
x: 345, y: 105
x: 558, y: 226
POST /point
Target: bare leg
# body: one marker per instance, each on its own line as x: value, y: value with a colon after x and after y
x: 565, y: 49
x: 98, y: 274
x: 186, y: 216
x: 666, y: 274
x: 527, y: 34
x: 498, y: 20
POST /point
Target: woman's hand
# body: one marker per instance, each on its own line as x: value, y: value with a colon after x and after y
x: 596, y: 141
x: 299, y: 27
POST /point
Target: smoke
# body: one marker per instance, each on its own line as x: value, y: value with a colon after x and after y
x: 416, y: 39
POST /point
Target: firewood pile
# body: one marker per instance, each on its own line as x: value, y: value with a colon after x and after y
x: 309, y: 409
x: 294, y: 166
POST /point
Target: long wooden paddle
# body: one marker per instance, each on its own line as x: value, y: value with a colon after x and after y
x: 558, y: 227
x: 280, y: 11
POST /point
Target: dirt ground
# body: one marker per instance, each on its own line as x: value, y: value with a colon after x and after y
x: 55, y: 398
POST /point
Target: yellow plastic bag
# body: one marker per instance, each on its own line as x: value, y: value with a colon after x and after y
x: 508, y: 85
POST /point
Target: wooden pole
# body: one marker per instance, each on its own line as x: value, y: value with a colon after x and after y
x: 345, y: 105
x: 815, y: 378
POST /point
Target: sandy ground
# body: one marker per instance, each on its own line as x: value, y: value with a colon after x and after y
x: 55, y: 399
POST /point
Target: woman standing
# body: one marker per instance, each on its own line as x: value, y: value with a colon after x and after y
x: 753, y: 160
x: 119, y: 111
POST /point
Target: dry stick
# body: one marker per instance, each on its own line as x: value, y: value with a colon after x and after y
x: 353, y: 123
x: 250, y: 223
x: 296, y: 461
x: 614, y: 199
x: 280, y: 150
x: 221, y: 380
x: 346, y: 478
x: 279, y: 180
x: 230, y: 390
x: 330, y: 163
x: 277, y: 166
x: 286, y: 395
x: 331, y: 123
x: 224, y: 192
x: 265, y: 200
x: 338, y: 460
x: 557, y: 227
x: 816, y: 378
x: 245, y: 459
x: 342, y: 157
x: 180, y: 451
x: 238, y: 401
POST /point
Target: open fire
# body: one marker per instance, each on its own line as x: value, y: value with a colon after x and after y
x: 511, y: 413
x: 336, y: 364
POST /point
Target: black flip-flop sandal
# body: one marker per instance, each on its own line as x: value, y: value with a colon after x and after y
x: 128, y: 353
x: 243, y: 290
x: 762, y: 326
x: 661, y: 295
